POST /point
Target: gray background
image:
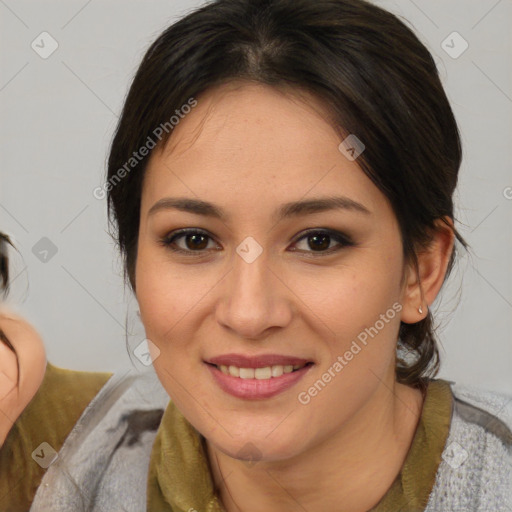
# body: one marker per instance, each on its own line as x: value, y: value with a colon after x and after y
x: 58, y: 116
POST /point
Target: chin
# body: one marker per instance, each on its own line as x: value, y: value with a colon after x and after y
x: 255, y: 446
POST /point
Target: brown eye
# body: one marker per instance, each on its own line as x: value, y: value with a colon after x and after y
x: 319, y: 241
x: 196, y: 241
x: 193, y: 241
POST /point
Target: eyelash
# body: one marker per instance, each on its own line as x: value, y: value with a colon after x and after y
x: 342, y: 239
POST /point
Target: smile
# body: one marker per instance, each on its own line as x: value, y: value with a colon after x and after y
x: 256, y: 378
x: 265, y: 373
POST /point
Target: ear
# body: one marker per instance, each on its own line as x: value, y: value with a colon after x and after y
x: 432, y: 265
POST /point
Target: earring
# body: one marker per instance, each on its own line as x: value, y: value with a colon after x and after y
x: 420, y: 310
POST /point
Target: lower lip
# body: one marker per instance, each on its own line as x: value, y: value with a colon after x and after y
x: 254, y: 389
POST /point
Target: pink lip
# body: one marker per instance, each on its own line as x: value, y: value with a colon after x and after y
x: 261, y: 361
x: 256, y: 389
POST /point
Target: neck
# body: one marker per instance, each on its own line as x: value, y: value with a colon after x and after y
x: 369, y: 453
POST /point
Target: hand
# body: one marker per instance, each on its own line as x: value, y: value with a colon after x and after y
x: 17, y: 388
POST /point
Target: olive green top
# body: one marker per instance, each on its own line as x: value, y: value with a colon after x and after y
x: 179, y: 474
x: 49, y: 417
x: 180, y: 478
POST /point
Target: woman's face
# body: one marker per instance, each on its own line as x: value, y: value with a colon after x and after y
x: 267, y: 285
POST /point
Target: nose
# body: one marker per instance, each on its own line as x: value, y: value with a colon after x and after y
x: 254, y: 299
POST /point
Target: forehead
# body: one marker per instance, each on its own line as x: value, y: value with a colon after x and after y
x: 257, y: 108
x: 255, y: 140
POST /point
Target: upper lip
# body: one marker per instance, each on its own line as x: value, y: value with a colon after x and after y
x: 261, y: 361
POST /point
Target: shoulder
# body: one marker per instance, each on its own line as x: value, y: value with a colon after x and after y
x: 41, y: 430
x: 498, y: 404
x: 475, y: 472
x: 58, y: 404
x: 108, y: 451
x: 69, y: 390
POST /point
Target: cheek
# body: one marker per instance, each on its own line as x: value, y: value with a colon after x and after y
x: 353, y: 297
x: 163, y: 310
x: 156, y: 295
x: 361, y: 309
x: 169, y: 297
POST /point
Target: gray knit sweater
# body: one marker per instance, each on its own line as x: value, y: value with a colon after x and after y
x: 476, y: 471
x: 103, y: 464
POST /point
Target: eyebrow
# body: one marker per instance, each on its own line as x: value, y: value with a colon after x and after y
x: 287, y: 210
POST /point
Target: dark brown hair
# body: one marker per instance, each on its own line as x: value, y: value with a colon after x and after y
x: 366, y: 66
x: 4, y: 263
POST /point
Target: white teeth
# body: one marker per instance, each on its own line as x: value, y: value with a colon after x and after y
x: 234, y: 371
x: 265, y: 373
x: 247, y: 373
x: 277, y: 371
